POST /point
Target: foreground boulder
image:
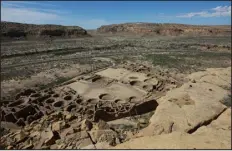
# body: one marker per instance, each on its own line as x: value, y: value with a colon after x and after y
x: 216, y: 135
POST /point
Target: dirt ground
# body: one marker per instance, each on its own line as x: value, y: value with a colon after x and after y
x: 22, y: 60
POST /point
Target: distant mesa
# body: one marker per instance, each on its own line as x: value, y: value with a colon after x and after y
x: 12, y: 30
x: 30, y: 31
x: 165, y: 29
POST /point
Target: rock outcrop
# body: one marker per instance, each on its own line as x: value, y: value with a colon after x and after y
x: 216, y: 135
x: 192, y: 116
x: 186, y: 108
x: 218, y: 76
x: 179, y: 140
x: 18, y: 30
x: 165, y: 29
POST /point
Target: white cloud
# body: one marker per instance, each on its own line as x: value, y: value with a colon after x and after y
x: 218, y: 11
x: 20, y: 12
x: 42, y: 3
x: 27, y: 15
x: 189, y: 15
x: 222, y: 9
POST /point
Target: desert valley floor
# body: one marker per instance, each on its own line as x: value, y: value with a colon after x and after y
x: 117, y: 87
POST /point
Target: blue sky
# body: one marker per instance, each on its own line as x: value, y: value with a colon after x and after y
x: 91, y: 15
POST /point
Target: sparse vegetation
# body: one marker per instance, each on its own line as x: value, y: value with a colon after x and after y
x: 191, y: 61
x: 52, y: 84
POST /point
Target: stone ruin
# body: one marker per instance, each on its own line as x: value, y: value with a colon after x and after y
x: 30, y: 105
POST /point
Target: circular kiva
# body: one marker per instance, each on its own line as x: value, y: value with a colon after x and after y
x: 96, y: 79
x: 70, y: 107
x: 58, y: 104
x: 92, y: 100
x: 29, y: 119
x: 146, y: 80
x: 119, y: 101
x: 46, y: 90
x: 148, y: 75
x: 78, y: 100
x: 50, y: 100
x: 132, y: 99
x: 148, y: 87
x: 68, y: 97
x: 51, y: 92
x: 55, y: 95
x: 133, y: 78
x: 135, y: 83
x: 35, y: 95
x: 48, y: 107
x: 106, y: 96
x: 89, y: 112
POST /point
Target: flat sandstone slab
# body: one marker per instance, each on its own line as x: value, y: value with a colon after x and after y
x: 187, y: 107
x: 122, y: 74
x: 180, y: 140
x: 111, y: 92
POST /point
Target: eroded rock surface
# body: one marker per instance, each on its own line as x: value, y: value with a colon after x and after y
x: 217, y: 135
x: 180, y: 140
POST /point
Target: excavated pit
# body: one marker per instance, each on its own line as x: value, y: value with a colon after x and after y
x: 25, y: 112
x: 10, y: 118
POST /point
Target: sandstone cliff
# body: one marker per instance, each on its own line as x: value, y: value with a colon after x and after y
x: 18, y: 30
x: 165, y: 29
